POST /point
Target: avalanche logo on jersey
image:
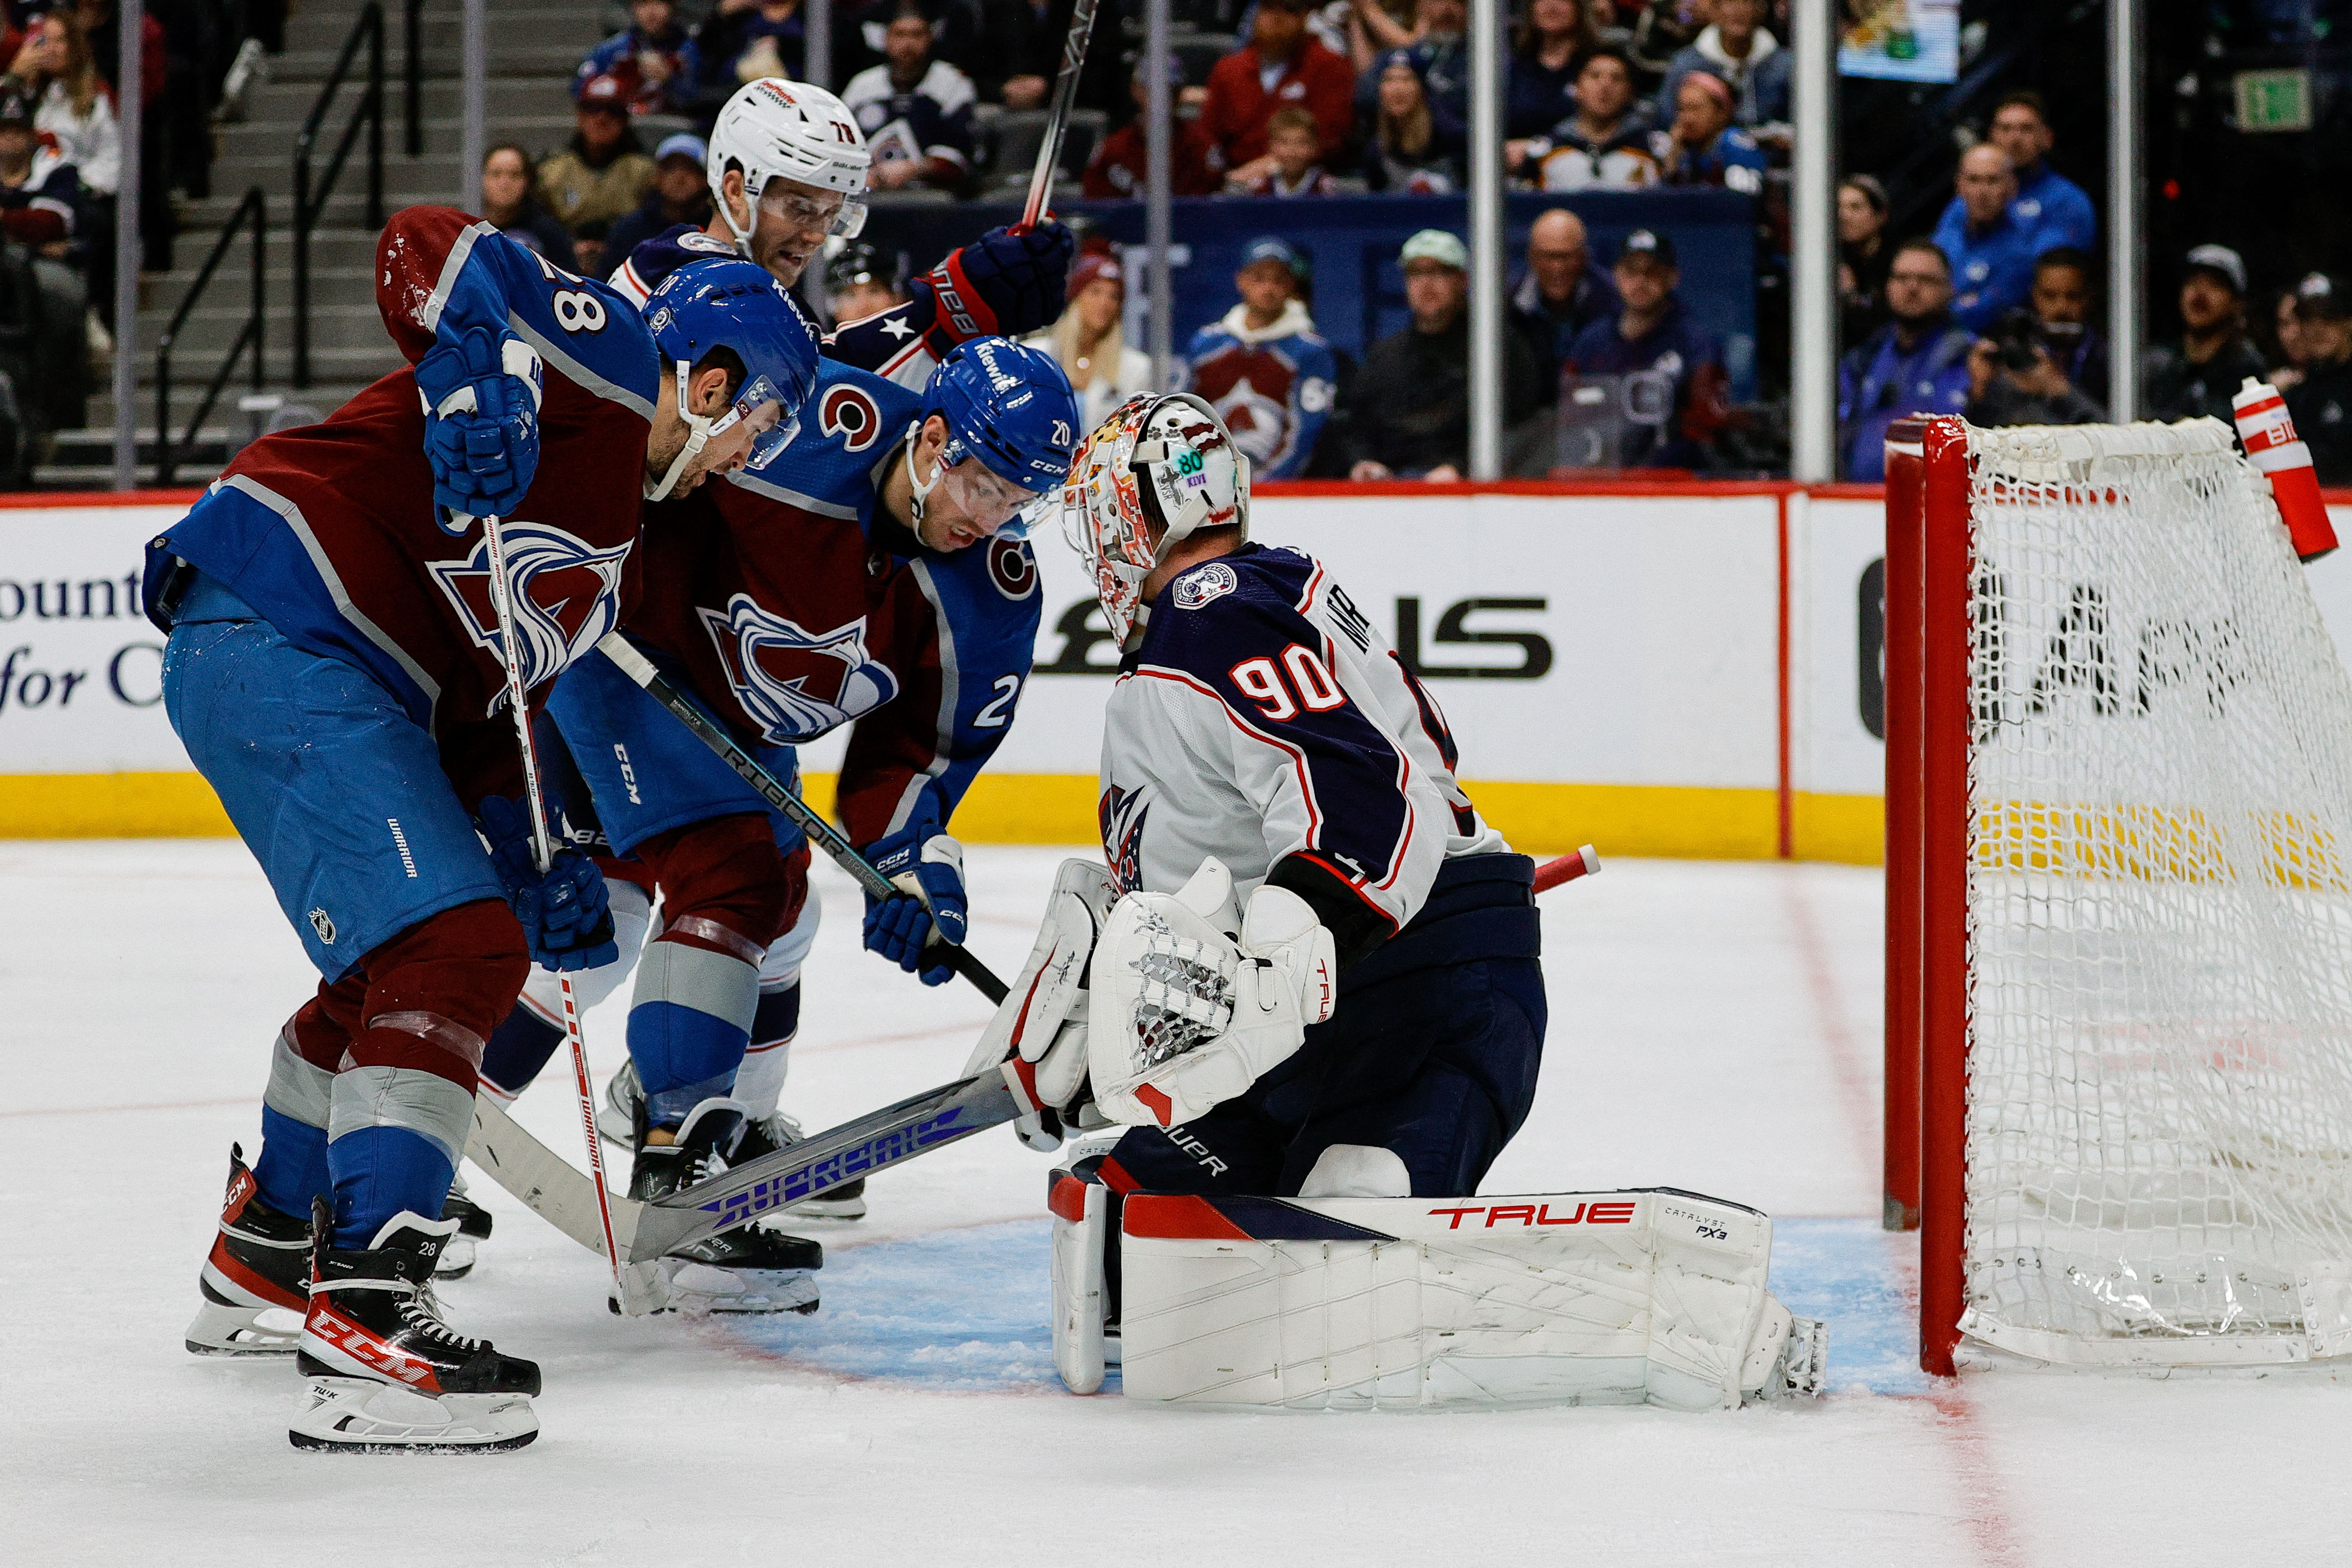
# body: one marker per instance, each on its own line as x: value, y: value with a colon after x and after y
x: 567, y: 596
x: 849, y: 413
x: 794, y: 683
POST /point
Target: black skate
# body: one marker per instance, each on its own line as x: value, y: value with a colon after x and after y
x: 387, y: 1375
x: 747, y: 1269
x: 624, y: 1102
x: 257, y: 1281
x: 473, y: 1227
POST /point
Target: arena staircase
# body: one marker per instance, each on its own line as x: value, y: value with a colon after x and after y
x: 533, y: 50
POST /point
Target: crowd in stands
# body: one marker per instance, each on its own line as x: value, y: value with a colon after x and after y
x: 61, y: 162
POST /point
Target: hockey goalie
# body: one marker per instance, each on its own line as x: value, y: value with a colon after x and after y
x: 1306, y: 985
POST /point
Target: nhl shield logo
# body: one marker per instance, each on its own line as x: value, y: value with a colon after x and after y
x: 567, y: 595
x: 324, y: 925
x: 792, y: 682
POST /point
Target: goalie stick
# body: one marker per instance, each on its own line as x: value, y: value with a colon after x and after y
x: 776, y: 792
x: 1585, y: 862
x: 1065, y: 92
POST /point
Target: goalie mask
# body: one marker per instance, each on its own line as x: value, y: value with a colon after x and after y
x: 1162, y: 464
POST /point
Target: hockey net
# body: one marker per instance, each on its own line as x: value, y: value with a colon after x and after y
x: 2132, y: 860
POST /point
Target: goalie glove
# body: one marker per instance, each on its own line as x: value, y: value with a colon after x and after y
x: 1042, y: 1021
x: 1183, y: 1016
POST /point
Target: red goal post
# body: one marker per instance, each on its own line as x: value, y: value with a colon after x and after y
x: 2118, y: 904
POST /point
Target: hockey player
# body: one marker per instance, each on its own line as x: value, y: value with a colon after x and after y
x: 788, y: 169
x: 856, y: 580
x: 334, y: 669
x: 1310, y: 973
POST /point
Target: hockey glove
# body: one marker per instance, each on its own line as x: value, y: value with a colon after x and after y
x: 1043, y: 1019
x: 1008, y: 282
x: 566, y: 915
x: 928, y: 865
x: 1181, y: 1015
x: 481, y: 395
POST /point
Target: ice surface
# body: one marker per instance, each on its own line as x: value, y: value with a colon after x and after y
x: 1714, y: 1027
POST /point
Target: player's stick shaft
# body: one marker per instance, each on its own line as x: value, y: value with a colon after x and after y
x: 1065, y: 92
x: 778, y: 794
x: 1585, y: 862
x: 543, y: 852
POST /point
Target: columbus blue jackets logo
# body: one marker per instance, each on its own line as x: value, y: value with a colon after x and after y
x: 793, y: 683
x: 567, y: 596
x: 1197, y: 587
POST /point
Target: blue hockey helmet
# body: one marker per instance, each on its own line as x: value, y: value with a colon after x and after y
x: 728, y: 302
x: 1009, y: 405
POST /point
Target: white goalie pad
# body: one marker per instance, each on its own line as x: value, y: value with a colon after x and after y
x: 1042, y: 1018
x: 1081, y: 1212
x: 1186, y: 1011
x: 1627, y: 1298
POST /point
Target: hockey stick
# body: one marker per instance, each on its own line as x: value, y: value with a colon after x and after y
x: 776, y: 792
x: 1585, y: 862
x: 542, y: 854
x: 1065, y: 92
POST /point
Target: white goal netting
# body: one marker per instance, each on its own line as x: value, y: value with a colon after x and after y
x: 2159, y: 892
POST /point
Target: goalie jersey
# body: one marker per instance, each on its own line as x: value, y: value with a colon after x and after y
x: 795, y: 604
x: 1260, y: 717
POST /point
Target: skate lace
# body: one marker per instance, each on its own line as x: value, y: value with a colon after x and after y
x: 421, y: 1314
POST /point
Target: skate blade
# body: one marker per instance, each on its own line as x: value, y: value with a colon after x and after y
x: 616, y: 1129
x: 358, y: 1416
x: 831, y: 1208
x: 457, y: 1259
x: 701, y: 1288
x: 223, y: 1329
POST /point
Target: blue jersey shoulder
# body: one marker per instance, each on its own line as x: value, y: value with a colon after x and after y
x: 849, y: 423
x: 583, y: 329
x: 1238, y: 606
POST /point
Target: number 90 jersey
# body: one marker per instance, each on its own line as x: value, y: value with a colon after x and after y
x: 1261, y: 717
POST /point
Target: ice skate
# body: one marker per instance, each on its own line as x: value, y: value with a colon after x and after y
x: 473, y: 1220
x: 257, y: 1280
x: 387, y: 1375
x: 747, y: 1269
x: 761, y: 1135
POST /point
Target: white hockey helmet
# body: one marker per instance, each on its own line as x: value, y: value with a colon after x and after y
x: 778, y: 130
x: 1163, y: 460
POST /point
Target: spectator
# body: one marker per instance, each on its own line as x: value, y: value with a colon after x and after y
x: 1661, y: 30
x: 1264, y: 368
x: 2062, y: 320
x: 680, y: 194
x: 2047, y: 204
x: 957, y: 35
x: 1559, y: 294
x: 1375, y: 26
x: 507, y: 206
x: 2013, y: 379
x: 2201, y: 372
x: 1415, y: 148
x: 1411, y: 406
x: 1652, y: 331
x: 1118, y: 167
x: 1992, y: 253
x: 1703, y: 147
x: 1864, y: 254
x: 916, y: 111
x: 1291, y: 148
x: 740, y: 41
x: 1023, y: 53
x: 40, y: 193
x: 100, y: 23
x: 73, y: 106
x: 1089, y: 342
x: 1605, y: 144
x: 1280, y: 66
x: 1439, y: 50
x: 2321, y: 404
x: 1917, y: 363
x: 648, y: 57
x: 861, y: 283
x: 2294, y: 354
x: 1742, y: 54
x: 1551, y: 41
x: 603, y: 175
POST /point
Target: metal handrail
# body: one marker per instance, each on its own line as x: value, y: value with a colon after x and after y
x: 413, y: 87
x: 255, y: 205
x: 308, y: 204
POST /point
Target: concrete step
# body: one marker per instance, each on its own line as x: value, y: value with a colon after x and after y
x: 325, y: 396
x: 550, y: 53
x: 289, y: 103
x: 211, y: 328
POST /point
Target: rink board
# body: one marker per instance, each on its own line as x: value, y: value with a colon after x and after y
x: 1686, y: 671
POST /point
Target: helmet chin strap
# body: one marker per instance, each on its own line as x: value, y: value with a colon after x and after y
x: 742, y: 235
x: 919, y: 491
x: 699, y: 429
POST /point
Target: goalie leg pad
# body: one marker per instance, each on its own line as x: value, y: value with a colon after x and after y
x: 1084, y: 1215
x: 1624, y: 1298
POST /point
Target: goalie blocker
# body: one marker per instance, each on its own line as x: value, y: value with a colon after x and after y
x: 1625, y: 1297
